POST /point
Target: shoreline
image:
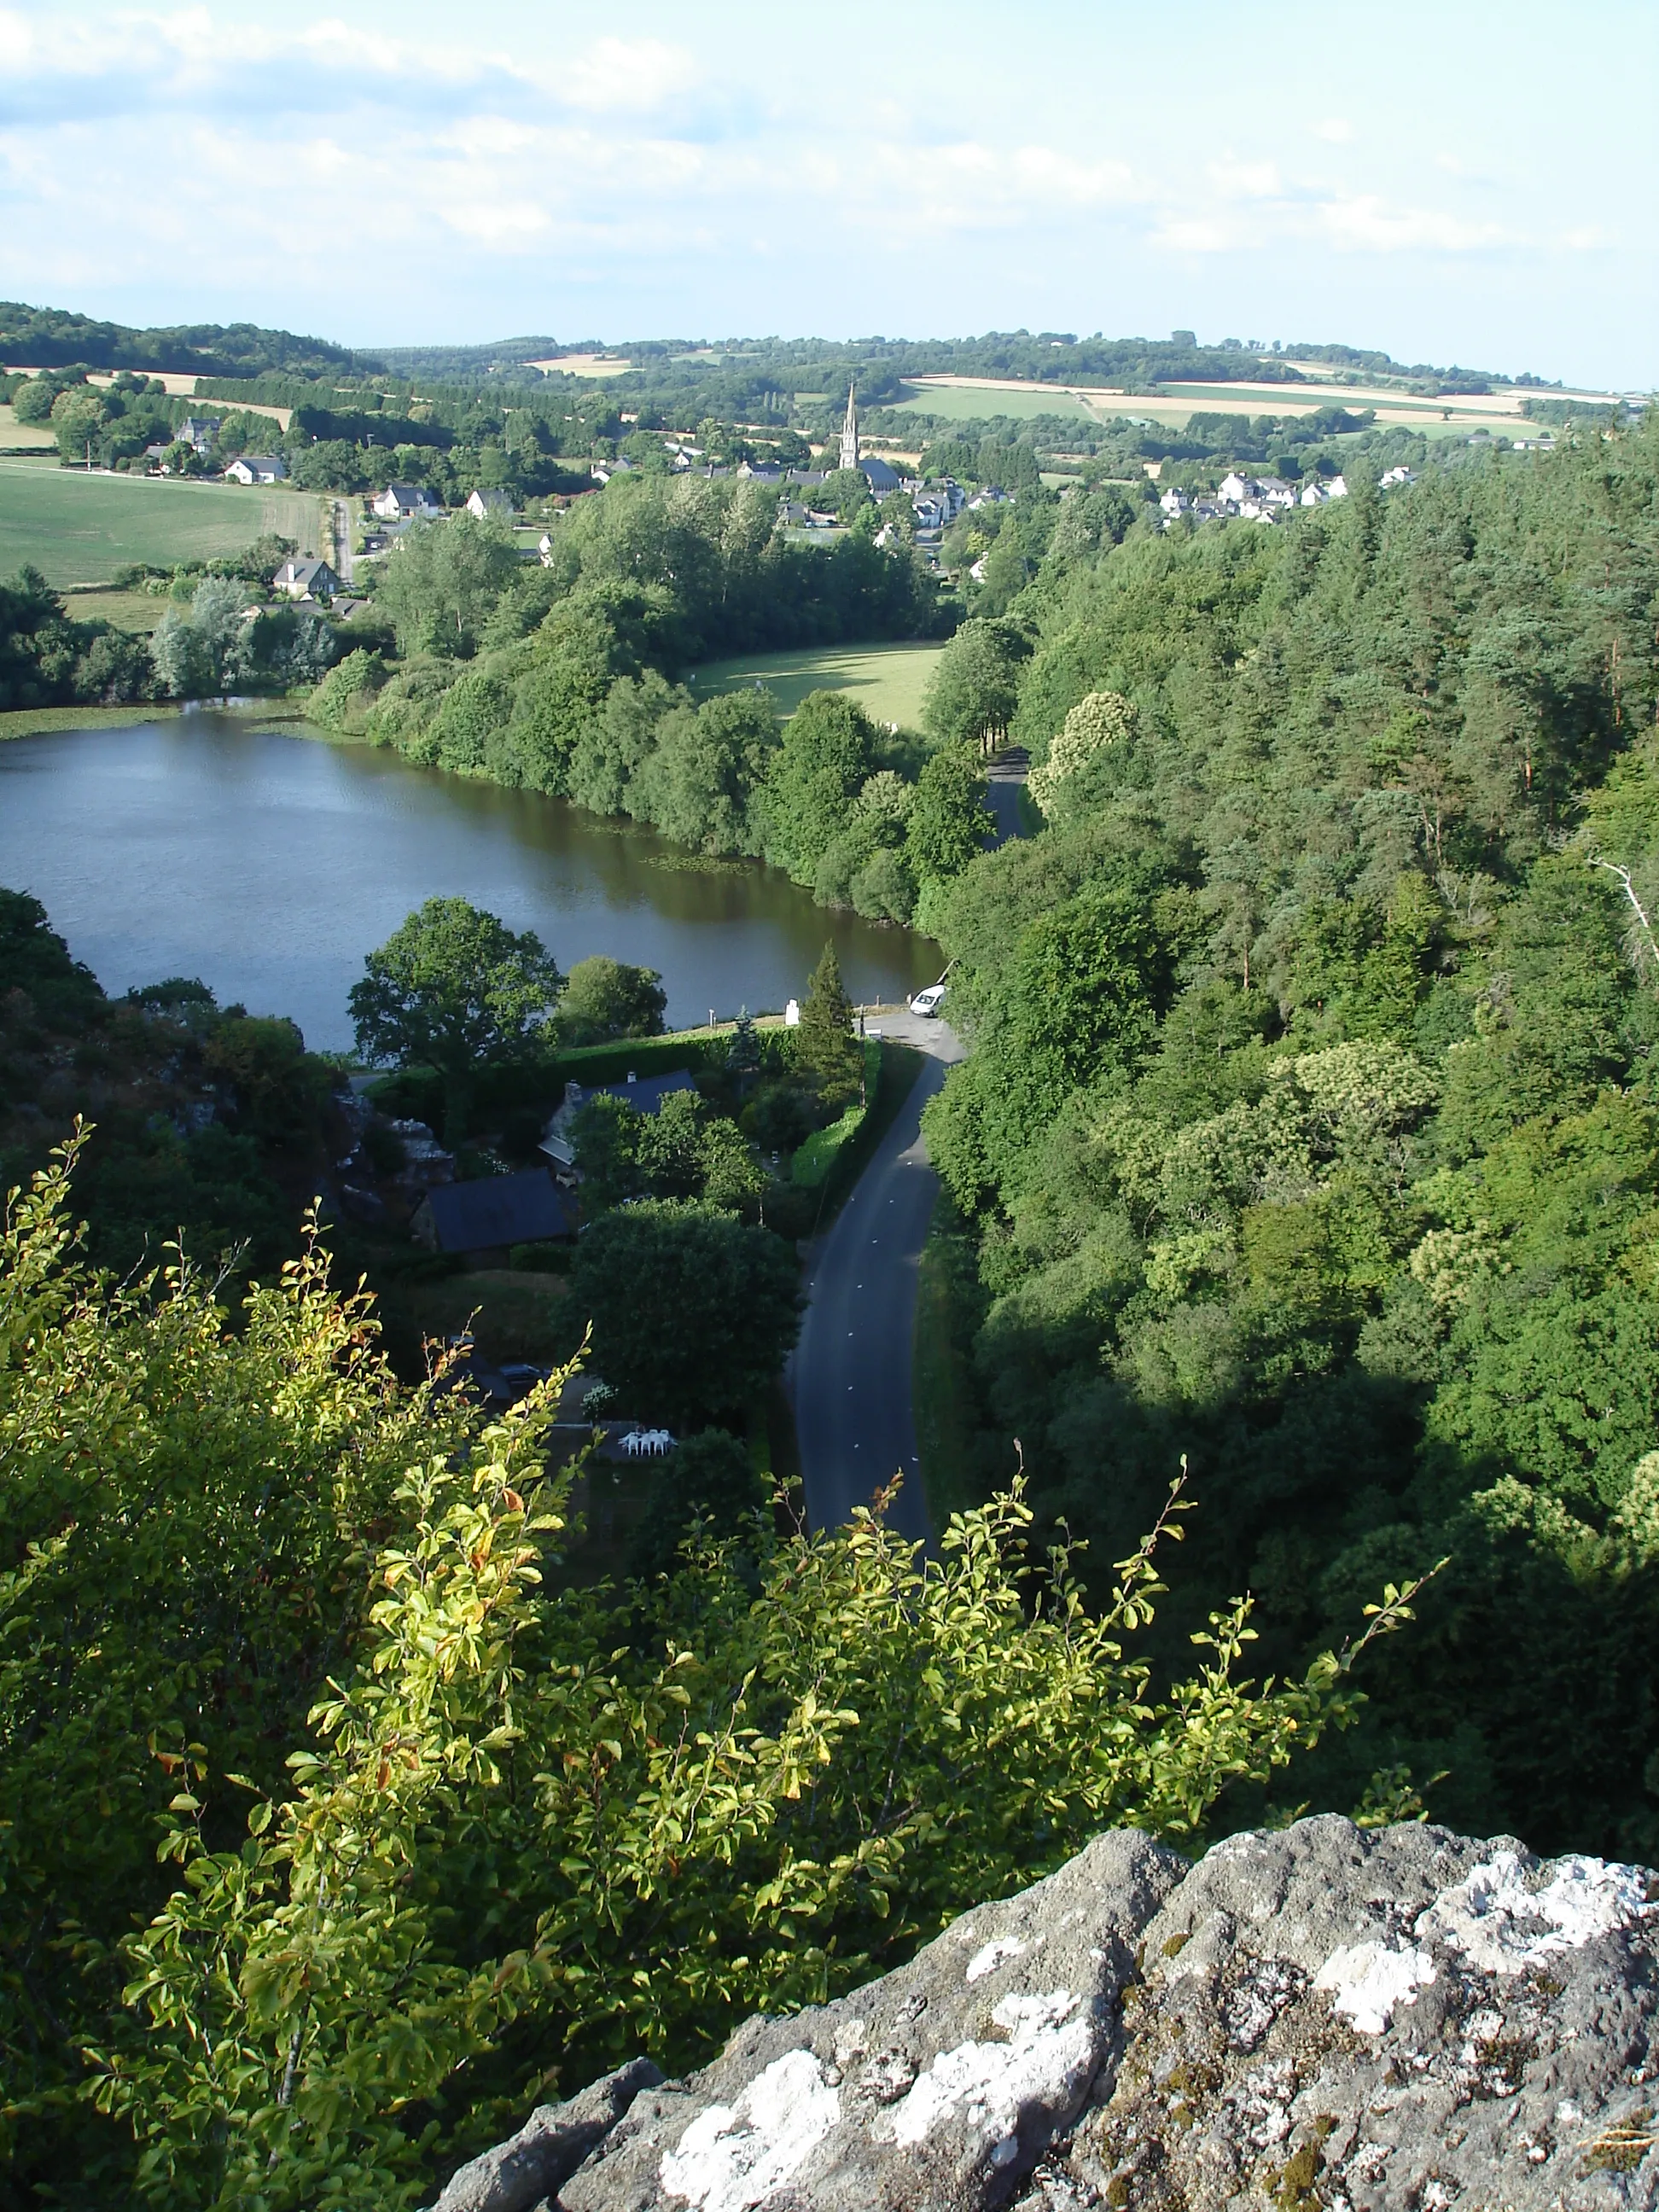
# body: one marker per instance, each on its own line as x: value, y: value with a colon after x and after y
x: 51, y: 721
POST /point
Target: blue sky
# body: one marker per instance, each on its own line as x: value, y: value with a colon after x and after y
x: 1461, y: 181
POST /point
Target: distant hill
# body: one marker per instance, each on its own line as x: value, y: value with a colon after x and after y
x: 55, y: 337
x: 443, y: 362
x: 735, y: 377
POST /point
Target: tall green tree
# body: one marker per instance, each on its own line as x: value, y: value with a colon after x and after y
x: 948, y: 822
x: 693, y: 1312
x: 828, y: 751
x: 973, y: 692
x: 825, y: 1046
x: 454, y: 988
x: 443, y: 582
x: 606, y: 999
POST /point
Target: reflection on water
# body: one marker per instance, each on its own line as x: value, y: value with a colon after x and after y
x: 268, y: 864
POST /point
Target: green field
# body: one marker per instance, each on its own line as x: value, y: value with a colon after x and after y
x: 78, y: 528
x: 888, y: 680
x: 954, y: 402
x: 14, y: 433
x: 135, y: 610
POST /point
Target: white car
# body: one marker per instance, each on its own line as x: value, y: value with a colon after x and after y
x: 929, y: 1001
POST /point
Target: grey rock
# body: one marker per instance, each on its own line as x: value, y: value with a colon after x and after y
x: 940, y: 2085
x: 1369, y: 2021
x: 1392, y: 2020
x: 548, y: 2148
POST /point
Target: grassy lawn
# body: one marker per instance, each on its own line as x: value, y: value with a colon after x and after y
x: 135, y: 610
x: 79, y: 528
x: 14, y: 433
x: 888, y: 680
x: 42, y: 722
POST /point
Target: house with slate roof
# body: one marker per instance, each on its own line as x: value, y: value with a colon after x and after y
x: 644, y: 1095
x: 306, y: 578
x: 258, y: 468
x: 400, y: 501
x: 493, y: 1212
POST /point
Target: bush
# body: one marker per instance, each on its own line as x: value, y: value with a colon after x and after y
x: 293, y: 1618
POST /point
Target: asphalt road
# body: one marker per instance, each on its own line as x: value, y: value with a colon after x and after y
x: 849, y: 1377
x: 1004, y: 777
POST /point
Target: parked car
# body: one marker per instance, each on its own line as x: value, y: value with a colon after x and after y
x: 929, y: 1001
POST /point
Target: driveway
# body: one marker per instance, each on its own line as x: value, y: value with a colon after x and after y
x: 849, y: 1377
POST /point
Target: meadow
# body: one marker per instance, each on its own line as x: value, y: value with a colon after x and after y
x: 80, y: 528
x: 134, y: 610
x: 14, y: 433
x: 888, y: 680
x: 976, y: 403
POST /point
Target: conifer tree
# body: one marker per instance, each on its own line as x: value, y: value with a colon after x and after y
x: 826, y: 1048
x: 743, y: 1053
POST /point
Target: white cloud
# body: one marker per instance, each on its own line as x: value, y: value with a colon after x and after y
x: 1366, y: 223
x: 625, y: 75
x: 626, y: 168
x: 1245, y: 181
x: 1194, y: 234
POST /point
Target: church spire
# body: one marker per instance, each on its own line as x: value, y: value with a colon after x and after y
x: 849, y: 434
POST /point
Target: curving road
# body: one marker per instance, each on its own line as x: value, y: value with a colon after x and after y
x: 849, y: 1377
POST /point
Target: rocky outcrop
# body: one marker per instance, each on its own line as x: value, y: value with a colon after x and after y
x: 1324, y: 2016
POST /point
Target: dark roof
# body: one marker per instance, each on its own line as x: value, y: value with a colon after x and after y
x: 647, y: 1094
x: 879, y: 475
x: 515, y: 1209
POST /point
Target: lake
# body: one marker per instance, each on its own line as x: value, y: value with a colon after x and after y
x: 268, y: 863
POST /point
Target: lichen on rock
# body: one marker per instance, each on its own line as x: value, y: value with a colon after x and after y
x: 1321, y: 2017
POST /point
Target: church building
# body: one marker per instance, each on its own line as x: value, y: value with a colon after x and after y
x: 876, y: 472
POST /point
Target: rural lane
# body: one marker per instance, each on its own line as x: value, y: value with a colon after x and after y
x: 849, y: 1376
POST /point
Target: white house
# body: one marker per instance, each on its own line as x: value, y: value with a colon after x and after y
x: 399, y: 501
x: 491, y: 505
x: 257, y: 469
x: 1174, y: 502
x: 1234, y: 487
x: 1390, y: 477
x: 200, y: 431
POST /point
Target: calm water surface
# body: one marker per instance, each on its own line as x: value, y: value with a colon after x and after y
x: 268, y: 864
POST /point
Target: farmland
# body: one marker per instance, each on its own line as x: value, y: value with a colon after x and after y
x: 888, y: 680
x: 78, y: 528
x: 956, y: 401
x: 960, y: 399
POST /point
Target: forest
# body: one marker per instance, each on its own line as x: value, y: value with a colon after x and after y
x: 1311, y: 1131
x: 57, y: 337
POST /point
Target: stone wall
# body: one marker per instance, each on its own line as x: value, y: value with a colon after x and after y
x: 1324, y: 2016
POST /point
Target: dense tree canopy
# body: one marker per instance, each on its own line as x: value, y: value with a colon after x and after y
x: 693, y: 1311
x: 1308, y: 1128
x: 452, y: 988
